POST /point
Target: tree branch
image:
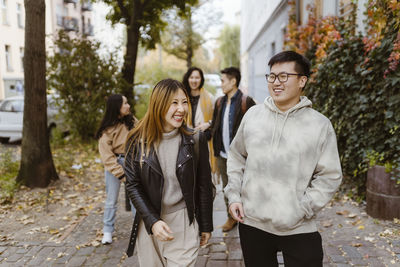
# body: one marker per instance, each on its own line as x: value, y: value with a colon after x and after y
x: 124, y: 11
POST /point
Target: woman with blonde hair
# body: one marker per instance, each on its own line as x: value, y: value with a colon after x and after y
x: 202, y: 108
x: 168, y: 181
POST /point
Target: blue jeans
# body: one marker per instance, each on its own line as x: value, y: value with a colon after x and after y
x: 110, y: 208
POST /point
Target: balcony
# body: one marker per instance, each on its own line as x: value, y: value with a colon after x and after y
x: 88, y: 30
x: 87, y: 6
x: 70, y: 24
x: 71, y: 1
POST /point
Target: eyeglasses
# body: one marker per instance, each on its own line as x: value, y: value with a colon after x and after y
x: 282, y: 76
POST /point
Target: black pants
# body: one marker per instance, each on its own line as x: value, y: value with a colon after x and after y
x: 260, y: 248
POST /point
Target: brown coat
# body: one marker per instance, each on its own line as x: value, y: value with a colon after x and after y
x: 112, y: 142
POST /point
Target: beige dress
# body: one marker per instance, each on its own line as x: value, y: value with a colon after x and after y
x: 183, y: 249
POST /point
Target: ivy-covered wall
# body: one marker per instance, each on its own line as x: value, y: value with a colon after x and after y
x: 356, y: 83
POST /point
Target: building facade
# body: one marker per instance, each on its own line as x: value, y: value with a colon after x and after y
x: 74, y: 16
x: 263, y: 30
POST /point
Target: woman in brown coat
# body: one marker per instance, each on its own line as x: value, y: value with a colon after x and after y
x: 112, y: 134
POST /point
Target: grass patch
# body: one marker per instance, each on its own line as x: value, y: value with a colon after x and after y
x: 74, y: 157
x: 8, y: 172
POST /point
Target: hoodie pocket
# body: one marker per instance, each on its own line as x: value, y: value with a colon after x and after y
x: 273, y: 203
x: 289, y: 221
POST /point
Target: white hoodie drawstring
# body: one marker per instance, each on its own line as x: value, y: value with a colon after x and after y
x: 304, y: 102
x: 276, y: 121
x: 283, y: 125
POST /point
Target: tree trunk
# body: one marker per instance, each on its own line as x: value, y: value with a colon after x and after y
x: 189, y: 48
x: 37, y: 167
x: 132, y: 44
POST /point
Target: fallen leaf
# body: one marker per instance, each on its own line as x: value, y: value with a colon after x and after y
x: 95, y: 243
x: 343, y: 212
x: 72, y: 196
x: 370, y: 239
x: 361, y: 227
x: 54, y: 231
x: 356, y: 245
x: 327, y: 223
x: 351, y: 215
x: 61, y: 254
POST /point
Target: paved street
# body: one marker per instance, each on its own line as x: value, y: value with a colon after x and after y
x: 351, y: 238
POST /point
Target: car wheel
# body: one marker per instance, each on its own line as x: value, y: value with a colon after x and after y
x: 4, y: 140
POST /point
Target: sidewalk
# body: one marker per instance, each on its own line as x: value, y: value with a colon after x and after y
x: 350, y: 238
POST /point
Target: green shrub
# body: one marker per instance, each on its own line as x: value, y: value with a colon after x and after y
x: 358, y: 90
x: 83, y: 81
x: 8, y: 171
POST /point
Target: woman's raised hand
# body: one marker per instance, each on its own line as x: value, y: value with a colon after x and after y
x: 162, y: 231
x: 202, y: 127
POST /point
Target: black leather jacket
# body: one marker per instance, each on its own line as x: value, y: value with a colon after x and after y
x: 145, y: 185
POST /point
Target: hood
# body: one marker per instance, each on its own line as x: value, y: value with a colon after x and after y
x: 304, y: 102
x: 270, y: 104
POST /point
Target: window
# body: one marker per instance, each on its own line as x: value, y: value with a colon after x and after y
x: 20, y: 16
x: 345, y: 8
x: 8, y: 58
x: 273, y: 49
x: 61, y: 11
x: 3, y: 6
x: 21, y: 53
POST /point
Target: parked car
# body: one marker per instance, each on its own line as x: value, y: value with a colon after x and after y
x: 11, y: 117
x: 214, y: 80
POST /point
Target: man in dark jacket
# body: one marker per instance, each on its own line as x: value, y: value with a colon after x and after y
x: 228, y: 113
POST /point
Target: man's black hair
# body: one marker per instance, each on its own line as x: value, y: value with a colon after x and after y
x: 232, y: 72
x: 302, y: 64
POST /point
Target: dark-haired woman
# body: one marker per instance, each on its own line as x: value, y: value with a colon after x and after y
x: 202, y: 107
x: 168, y: 182
x: 112, y: 134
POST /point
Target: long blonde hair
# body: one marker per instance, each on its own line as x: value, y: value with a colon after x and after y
x: 148, y: 131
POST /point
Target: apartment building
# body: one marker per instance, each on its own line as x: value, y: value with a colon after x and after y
x: 263, y: 29
x: 74, y: 16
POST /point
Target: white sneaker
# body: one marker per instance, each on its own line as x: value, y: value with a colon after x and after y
x: 107, y: 238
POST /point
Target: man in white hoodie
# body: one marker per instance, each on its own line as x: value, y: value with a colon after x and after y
x: 283, y: 167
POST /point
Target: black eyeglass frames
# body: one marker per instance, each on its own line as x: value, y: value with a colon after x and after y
x: 282, y: 76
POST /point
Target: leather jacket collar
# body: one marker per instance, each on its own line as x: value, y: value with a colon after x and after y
x: 152, y: 160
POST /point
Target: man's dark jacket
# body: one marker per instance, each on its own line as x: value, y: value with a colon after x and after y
x: 145, y: 185
x: 216, y: 126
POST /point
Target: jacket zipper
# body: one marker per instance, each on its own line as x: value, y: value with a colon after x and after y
x: 194, y: 184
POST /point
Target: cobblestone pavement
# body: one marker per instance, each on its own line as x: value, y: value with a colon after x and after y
x: 350, y: 238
